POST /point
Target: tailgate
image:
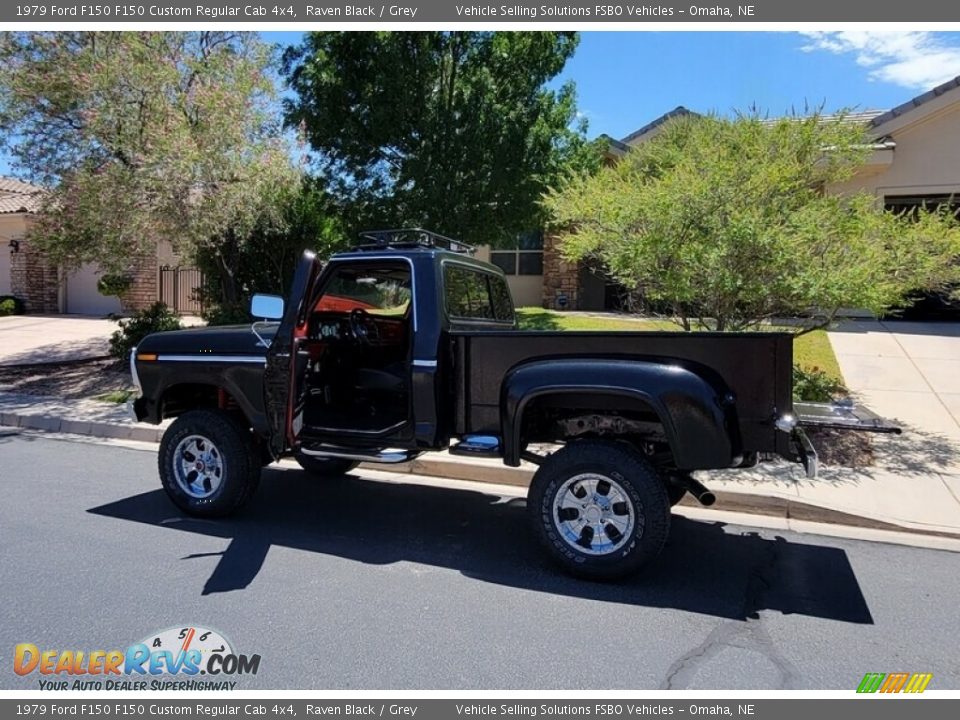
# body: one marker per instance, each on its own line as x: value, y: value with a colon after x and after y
x: 841, y: 416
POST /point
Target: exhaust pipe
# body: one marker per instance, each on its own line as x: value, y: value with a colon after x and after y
x: 701, y: 493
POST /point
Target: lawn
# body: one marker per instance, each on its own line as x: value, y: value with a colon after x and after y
x: 810, y: 351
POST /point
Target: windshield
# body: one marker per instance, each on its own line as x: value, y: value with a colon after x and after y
x: 379, y: 291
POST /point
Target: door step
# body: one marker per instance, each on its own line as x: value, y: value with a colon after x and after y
x: 478, y: 446
x: 384, y: 455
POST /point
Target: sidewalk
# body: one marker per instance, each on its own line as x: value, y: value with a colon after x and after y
x: 907, y: 490
x: 908, y: 371
x: 31, y: 339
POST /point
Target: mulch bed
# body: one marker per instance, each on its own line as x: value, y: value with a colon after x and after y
x: 844, y: 449
x: 69, y: 380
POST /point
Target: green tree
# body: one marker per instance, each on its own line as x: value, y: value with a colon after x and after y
x: 141, y: 136
x: 728, y: 223
x: 265, y: 258
x: 454, y: 131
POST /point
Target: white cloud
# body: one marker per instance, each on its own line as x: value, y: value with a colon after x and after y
x: 917, y: 60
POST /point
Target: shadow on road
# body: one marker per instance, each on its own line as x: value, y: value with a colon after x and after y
x: 705, y: 568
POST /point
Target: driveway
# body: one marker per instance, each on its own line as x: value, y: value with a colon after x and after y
x: 904, y: 370
x: 32, y: 339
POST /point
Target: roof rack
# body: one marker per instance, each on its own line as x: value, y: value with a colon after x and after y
x: 410, y: 238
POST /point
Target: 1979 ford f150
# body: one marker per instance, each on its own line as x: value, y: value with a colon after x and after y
x: 408, y: 345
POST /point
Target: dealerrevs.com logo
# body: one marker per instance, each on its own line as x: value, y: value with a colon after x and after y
x: 179, y: 658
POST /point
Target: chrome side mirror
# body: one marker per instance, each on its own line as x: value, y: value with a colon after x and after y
x: 266, y: 307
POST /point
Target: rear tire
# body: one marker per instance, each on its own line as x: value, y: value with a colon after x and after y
x: 600, y: 509
x: 209, y: 466
x: 325, y: 468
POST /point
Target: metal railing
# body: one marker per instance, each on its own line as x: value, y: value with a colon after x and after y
x: 179, y: 289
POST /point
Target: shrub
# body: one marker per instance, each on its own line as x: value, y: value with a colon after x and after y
x: 814, y: 385
x: 157, y: 318
x: 114, y: 285
x: 227, y: 314
x: 10, y: 305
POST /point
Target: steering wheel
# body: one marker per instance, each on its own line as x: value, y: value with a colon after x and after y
x: 363, y: 328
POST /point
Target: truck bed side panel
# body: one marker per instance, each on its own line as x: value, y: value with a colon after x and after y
x: 756, y: 367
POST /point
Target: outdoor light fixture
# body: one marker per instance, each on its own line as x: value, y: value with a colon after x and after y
x: 14, y: 245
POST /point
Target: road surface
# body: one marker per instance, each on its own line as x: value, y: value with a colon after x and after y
x: 363, y: 583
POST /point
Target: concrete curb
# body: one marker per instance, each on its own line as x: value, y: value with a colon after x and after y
x: 746, y: 503
x: 95, y: 428
x: 491, y: 472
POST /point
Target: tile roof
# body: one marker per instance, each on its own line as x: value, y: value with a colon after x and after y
x: 678, y: 111
x: 17, y: 196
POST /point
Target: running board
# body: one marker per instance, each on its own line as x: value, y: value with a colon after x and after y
x: 390, y: 456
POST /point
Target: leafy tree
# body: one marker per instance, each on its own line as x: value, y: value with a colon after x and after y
x: 143, y: 135
x: 264, y: 259
x: 455, y: 131
x: 731, y: 222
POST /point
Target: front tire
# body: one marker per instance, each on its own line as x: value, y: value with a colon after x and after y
x: 599, y: 509
x: 325, y: 468
x: 208, y: 464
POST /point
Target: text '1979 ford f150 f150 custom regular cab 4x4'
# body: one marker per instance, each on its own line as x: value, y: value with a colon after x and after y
x: 407, y: 344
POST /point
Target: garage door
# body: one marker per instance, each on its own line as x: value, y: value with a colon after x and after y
x: 4, y: 271
x: 83, y: 298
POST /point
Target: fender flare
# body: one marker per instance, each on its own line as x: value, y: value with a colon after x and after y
x: 225, y: 382
x: 692, y: 411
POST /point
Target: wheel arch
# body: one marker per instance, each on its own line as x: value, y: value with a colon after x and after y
x: 693, y: 413
x: 196, y: 394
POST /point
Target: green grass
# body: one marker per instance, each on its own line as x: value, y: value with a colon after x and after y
x: 115, y: 396
x: 813, y: 351
x: 534, y: 318
x: 810, y: 351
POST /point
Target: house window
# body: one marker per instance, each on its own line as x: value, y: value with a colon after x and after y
x: 912, y: 204
x: 525, y: 258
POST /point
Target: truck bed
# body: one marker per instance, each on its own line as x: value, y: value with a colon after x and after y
x: 756, y: 367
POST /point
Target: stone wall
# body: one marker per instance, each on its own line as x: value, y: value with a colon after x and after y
x: 143, y: 291
x: 561, y: 279
x: 34, y: 280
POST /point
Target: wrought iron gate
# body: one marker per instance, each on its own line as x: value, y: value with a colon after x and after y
x: 179, y: 289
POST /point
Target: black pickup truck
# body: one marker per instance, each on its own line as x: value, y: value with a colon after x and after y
x: 407, y: 345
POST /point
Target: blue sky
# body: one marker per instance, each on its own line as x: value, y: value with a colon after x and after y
x: 626, y: 79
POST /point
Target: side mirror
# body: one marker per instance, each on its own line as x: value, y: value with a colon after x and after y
x: 266, y: 307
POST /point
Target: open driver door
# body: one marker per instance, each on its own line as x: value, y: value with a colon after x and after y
x: 283, y: 398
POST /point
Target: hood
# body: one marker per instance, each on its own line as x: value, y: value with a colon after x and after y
x: 217, y: 340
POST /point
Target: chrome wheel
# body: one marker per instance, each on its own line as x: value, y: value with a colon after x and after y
x: 594, y: 514
x: 198, y: 466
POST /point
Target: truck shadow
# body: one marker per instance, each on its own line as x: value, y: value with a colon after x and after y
x: 706, y: 567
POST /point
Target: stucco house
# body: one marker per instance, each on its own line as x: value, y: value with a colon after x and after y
x: 45, y: 288
x: 915, y: 161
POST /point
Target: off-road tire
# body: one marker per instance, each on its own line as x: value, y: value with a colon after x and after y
x: 643, y: 489
x: 241, y: 462
x: 325, y: 468
x: 675, y: 493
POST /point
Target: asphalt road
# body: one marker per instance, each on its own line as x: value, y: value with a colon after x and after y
x: 363, y: 584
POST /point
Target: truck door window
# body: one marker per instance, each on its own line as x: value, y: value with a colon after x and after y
x: 467, y: 294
